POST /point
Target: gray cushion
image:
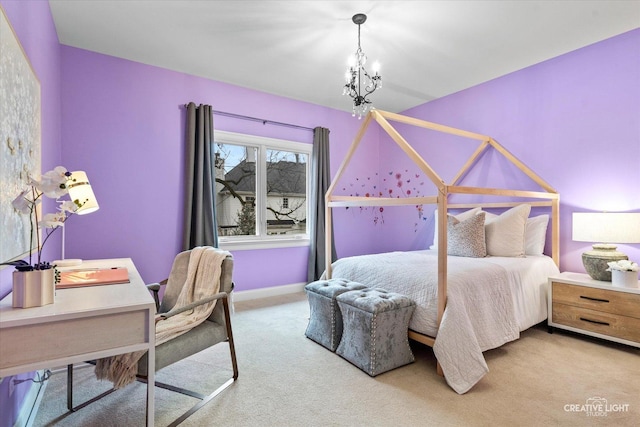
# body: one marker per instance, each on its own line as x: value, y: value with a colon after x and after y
x: 375, y: 300
x: 333, y: 287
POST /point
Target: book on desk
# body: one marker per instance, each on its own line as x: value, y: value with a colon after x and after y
x: 92, y: 277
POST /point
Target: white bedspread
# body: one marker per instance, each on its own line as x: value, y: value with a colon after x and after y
x: 486, y: 298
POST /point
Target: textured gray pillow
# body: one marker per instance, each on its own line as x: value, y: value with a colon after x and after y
x: 466, y: 238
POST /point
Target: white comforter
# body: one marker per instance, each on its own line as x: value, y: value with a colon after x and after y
x: 484, y: 302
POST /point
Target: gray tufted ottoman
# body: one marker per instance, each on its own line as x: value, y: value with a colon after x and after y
x: 325, y: 321
x: 375, y: 331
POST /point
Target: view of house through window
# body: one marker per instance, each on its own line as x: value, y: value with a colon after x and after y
x: 261, y: 186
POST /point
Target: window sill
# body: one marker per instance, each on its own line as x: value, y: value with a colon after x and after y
x: 250, y: 244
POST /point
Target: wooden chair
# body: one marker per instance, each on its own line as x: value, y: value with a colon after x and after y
x: 215, y: 329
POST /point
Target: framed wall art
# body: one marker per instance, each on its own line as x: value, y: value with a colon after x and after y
x: 20, y: 139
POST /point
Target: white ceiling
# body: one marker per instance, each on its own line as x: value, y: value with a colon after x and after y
x: 299, y: 49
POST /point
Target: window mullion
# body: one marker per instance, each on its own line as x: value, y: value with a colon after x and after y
x: 261, y: 190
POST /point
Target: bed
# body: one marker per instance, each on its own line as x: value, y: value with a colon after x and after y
x: 489, y: 302
x: 467, y: 301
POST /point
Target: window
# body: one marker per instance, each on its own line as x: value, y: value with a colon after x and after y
x: 262, y: 190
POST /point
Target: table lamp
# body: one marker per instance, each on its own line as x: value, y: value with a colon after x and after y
x: 608, y: 228
x: 79, y: 190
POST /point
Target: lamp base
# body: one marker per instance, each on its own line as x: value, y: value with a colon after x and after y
x: 67, y: 262
x: 595, y: 261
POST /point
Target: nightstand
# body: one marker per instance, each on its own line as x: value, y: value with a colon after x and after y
x: 580, y: 304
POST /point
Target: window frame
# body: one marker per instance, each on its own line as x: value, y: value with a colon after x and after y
x: 262, y: 240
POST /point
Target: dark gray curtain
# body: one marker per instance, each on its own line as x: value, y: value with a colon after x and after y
x: 320, y: 181
x: 200, y: 224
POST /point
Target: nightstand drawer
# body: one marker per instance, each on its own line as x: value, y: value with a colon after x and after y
x: 603, y: 300
x: 624, y: 327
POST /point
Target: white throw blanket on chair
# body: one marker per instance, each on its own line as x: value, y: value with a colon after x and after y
x: 204, y: 269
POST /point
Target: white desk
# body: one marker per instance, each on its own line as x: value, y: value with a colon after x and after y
x: 82, y: 324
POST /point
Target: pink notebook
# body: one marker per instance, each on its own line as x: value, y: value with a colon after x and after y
x: 92, y: 277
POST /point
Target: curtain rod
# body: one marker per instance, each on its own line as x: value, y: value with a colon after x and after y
x: 255, y: 119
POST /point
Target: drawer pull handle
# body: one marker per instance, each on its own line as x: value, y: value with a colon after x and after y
x: 595, y: 321
x: 594, y: 299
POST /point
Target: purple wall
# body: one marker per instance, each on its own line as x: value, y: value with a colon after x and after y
x: 123, y: 122
x: 574, y: 120
x: 34, y: 27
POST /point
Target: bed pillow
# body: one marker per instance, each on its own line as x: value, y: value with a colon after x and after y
x: 535, y: 235
x: 505, y: 232
x: 460, y: 217
x: 466, y: 238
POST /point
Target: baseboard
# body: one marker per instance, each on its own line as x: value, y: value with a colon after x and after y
x: 267, y: 292
x: 30, y: 403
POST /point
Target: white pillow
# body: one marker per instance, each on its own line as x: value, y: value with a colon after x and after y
x: 460, y: 217
x: 535, y: 235
x: 505, y: 232
x: 466, y: 238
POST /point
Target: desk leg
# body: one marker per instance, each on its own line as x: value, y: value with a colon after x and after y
x: 151, y: 373
x: 70, y: 387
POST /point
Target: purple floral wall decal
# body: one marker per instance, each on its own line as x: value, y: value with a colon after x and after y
x: 396, y: 186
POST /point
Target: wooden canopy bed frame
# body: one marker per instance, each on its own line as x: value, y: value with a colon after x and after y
x: 547, y: 198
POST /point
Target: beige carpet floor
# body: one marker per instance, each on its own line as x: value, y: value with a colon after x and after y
x: 288, y: 380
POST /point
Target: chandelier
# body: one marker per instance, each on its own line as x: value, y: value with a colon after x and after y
x: 359, y: 83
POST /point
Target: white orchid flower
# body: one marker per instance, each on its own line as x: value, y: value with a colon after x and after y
x: 22, y: 203
x: 623, y: 265
x: 53, y: 183
x: 52, y: 220
x: 68, y: 206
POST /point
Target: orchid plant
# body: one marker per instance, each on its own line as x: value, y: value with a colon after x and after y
x: 622, y: 265
x: 53, y: 184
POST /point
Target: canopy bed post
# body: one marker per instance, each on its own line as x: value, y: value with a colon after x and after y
x: 442, y: 259
x: 555, y: 230
x: 442, y: 251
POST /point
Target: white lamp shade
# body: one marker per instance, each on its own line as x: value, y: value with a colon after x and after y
x: 607, y: 227
x: 81, y: 190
